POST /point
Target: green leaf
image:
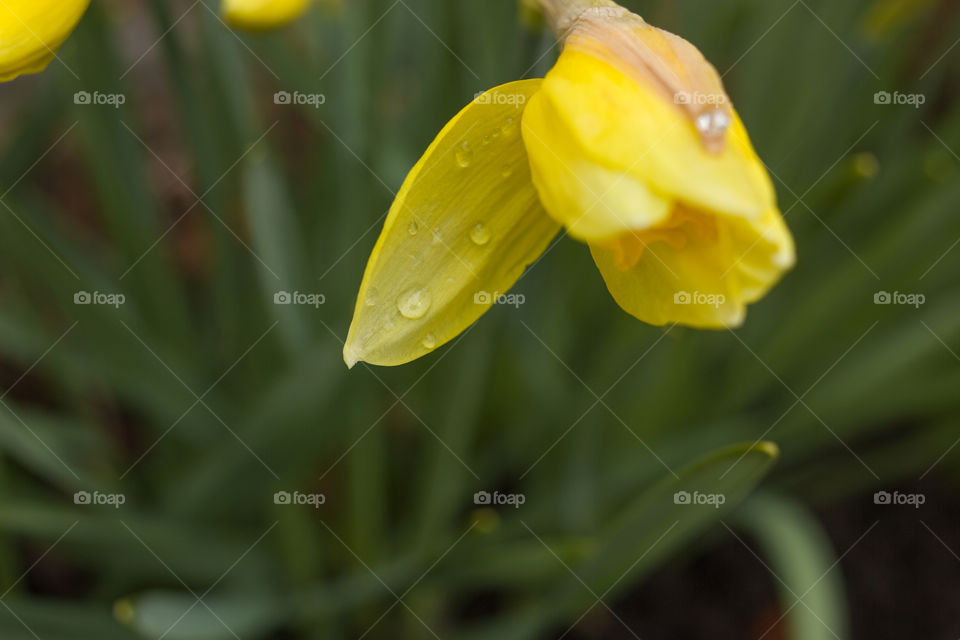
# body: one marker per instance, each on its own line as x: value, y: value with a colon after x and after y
x: 22, y: 619
x: 648, y: 531
x: 803, y: 563
x: 277, y: 243
x: 179, y: 616
x: 667, y: 517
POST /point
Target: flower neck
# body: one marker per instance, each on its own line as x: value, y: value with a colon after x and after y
x: 562, y: 15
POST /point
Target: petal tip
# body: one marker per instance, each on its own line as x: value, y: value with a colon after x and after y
x: 737, y: 318
x: 769, y: 449
x: 350, y: 357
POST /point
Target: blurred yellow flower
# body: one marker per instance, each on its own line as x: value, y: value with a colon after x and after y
x: 630, y: 143
x: 31, y: 31
x: 262, y: 14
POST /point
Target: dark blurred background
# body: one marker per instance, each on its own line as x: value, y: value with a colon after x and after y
x: 181, y: 457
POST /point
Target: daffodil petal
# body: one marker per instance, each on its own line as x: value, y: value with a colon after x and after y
x: 262, y: 14
x: 461, y: 231
x: 31, y: 31
x: 591, y: 199
x: 708, y: 282
x: 591, y: 110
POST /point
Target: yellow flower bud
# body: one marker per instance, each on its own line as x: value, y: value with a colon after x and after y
x: 256, y: 15
x: 635, y: 148
x: 31, y: 31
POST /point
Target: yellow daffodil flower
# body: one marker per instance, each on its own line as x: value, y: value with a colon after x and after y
x: 31, y: 31
x: 630, y: 144
x: 256, y: 15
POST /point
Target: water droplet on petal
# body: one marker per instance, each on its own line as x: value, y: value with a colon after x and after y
x: 506, y: 171
x: 437, y: 236
x: 373, y: 297
x: 414, y: 303
x: 713, y: 123
x: 509, y: 126
x: 464, y: 155
x: 413, y: 228
x: 480, y: 234
x: 429, y: 341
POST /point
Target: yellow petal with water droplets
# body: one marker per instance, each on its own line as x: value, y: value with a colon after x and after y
x: 461, y: 231
x: 262, y: 14
x: 32, y: 30
x: 700, y: 273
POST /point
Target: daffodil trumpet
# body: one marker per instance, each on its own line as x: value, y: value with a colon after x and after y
x: 31, y: 31
x: 630, y: 144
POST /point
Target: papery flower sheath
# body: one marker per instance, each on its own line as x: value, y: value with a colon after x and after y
x: 630, y: 144
x: 31, y: 31
x: 255, y: 15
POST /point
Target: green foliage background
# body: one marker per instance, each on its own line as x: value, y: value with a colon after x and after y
x: 199, y: 398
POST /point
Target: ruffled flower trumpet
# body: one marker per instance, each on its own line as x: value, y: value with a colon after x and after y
x: 630, y: 144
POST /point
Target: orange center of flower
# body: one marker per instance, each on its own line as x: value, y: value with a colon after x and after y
x: 683, y: 226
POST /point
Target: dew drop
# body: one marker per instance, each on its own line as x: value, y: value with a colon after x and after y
x: 509, y: 127
x: 414, y: 303
x: 713, y: 123
x: 413, y: 228
x: 429, y: 341
x: 506, y: 171
x: 437, y: 236
x: 480, y: 234
x: 464, y: 155
x: 373, y: 297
